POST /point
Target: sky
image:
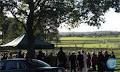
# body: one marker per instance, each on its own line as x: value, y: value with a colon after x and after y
x: 112, y: 24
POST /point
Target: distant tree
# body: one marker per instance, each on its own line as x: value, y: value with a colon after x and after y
x: 43, y: 17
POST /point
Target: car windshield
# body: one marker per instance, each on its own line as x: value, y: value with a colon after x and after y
x: 39, y: 63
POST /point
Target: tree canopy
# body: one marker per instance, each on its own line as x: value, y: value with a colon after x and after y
x: 43, y: 17
x: 49, y: 14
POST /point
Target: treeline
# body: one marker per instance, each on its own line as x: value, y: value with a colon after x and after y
x: 90, y: 34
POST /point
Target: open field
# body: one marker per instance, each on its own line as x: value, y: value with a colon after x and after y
x: 89, y: 42
x: 88, y: 38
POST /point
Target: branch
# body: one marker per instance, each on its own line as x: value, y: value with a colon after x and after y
x: 20, y: 9
x: 19, y: 20
x: 38, y: 21
x: 38, y: 3
x: 24, y: 12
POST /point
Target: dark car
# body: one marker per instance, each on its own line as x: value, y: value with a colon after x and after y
x: 25, y: 65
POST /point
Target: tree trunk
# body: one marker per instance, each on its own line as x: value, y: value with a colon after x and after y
x: 29, y: 24
x: 1, y: 22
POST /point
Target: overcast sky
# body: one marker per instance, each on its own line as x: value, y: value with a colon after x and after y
x: 112, y: 24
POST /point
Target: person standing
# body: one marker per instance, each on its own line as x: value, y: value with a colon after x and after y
x: 5, y: 56
x: 51, y: 59
x: 73, y: 62
x: 40, y: 56
x: 80, y: 61
x: 88, y: 60
x: 61, y: 58
x: 106, y: 57
x: 112, y: 55
x: 85, y: 69
x: 10, y: 55
x: 94, y: 61
x: 20, y: 55
x: 100, y: 62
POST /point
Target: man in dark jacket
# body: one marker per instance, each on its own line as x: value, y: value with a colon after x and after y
x: 62, y: 58
x: 80, y: 60
x: 73, y: 62
x: 94, y: 61
x: 106, y: 57
x: 100, y: 62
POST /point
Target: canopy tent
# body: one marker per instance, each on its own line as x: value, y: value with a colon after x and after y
x: 21, y: 42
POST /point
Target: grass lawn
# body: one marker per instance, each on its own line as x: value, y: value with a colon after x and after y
x: 89, y: 42
x: 109, y: 45
x: 88, y: 38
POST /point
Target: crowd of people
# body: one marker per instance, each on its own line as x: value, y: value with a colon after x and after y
x: 74, y: 61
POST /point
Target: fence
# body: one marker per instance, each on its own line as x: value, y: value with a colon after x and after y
x: 113, y: 43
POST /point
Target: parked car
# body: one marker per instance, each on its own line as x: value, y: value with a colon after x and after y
x: 24, y: 65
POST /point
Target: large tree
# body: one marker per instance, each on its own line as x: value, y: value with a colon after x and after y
x: 45, y: 16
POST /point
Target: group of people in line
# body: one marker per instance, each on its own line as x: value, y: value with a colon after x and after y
x: 84, y: 62
x: 74, y: 61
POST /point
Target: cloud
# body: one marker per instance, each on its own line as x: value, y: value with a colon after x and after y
x: 112, y: 24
